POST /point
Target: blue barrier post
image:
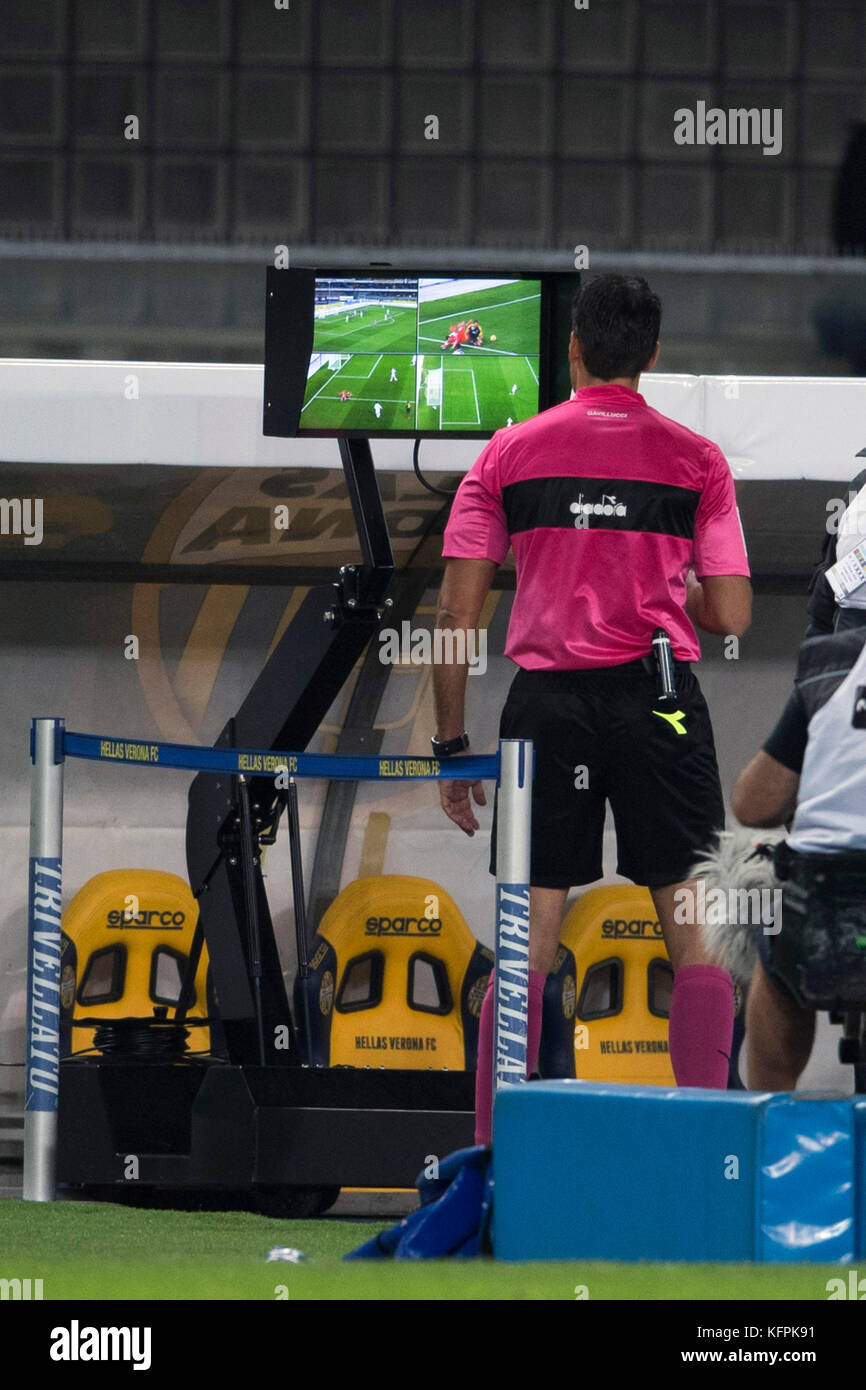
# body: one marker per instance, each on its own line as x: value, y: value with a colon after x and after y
x: 514, y: 818
x: 43, y: 959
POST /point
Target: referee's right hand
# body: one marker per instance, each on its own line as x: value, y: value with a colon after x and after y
x: 457, y: 803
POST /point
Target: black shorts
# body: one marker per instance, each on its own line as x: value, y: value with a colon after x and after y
x: 596, y: 740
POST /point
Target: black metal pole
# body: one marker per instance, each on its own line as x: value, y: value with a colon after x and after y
x: 187, y: 988
x: 294, y: 825
x: 248, y: 861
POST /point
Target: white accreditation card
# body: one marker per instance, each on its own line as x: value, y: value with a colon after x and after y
x: 848, y: 573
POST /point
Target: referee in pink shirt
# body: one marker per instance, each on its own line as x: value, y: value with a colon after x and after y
x: 621, y: 522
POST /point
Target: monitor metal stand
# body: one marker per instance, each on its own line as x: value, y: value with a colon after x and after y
x: 283, y: 1136
x: 283, y: 710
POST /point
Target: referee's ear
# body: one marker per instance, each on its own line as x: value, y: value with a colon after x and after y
x: 655, y: 357
x: 573, y: 360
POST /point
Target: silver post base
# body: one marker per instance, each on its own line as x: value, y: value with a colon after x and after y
x: 40, y: 1151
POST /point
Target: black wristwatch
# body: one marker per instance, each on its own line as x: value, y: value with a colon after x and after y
x: 447, y: 747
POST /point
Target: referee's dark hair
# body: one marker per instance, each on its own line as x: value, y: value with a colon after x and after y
x: 616, y: 320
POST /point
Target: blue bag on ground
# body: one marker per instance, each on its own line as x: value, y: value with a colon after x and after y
x: 454, y: 1216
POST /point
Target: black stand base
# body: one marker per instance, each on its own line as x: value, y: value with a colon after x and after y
x: 204, y: 1124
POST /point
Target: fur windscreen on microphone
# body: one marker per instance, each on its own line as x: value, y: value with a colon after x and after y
x: 739, y: 883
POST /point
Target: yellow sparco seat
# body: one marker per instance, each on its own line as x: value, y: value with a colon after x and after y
x: 624, y: 986
x: 126, y: 940
x: 396, y: 978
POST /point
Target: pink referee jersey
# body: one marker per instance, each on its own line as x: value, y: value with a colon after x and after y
x: 606, y: 504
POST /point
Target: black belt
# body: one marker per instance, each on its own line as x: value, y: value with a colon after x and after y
x: 561, y: 676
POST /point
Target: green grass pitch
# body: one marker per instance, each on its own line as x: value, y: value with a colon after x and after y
x: 82, y: 1250
x: 370, y: 379
x: 476, y: 393
x: 509, y: 311
x: 367, y: 330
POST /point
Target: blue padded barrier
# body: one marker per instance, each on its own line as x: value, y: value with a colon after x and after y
x: 588, y: 1170
x: 858, y: 1106
x: 807, y: 1187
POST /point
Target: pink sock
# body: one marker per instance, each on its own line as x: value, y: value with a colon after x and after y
x: 701, y: 1026
x: 484, y: 1074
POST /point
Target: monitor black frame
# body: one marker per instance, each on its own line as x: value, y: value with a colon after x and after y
x: 290, y: 326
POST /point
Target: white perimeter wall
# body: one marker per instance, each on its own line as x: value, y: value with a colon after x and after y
x: 208, y: 415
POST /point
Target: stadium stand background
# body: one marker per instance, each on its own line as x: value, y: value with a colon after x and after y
x: 306, y: 127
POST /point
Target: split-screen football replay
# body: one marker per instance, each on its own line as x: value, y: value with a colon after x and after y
x: 426, y: 354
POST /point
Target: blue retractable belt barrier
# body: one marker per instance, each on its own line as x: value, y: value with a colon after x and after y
x: 266, y: 762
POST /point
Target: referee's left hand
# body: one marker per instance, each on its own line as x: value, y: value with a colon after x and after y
x: 456, y: 801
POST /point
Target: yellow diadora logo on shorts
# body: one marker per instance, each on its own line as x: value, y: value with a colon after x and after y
x: 675, y: 719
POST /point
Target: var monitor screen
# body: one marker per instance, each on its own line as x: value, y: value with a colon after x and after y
x: 386, y: 353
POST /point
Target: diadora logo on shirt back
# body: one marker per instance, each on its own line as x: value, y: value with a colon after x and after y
x: 607, y: 506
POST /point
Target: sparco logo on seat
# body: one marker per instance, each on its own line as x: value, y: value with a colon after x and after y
x: 121, y: 917
x: 403, y: 926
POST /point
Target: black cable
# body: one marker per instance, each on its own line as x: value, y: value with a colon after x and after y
x: 440, y: 491
x: 140, y: 1038
x: 155, y: 1048
x: 92, y: 1051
